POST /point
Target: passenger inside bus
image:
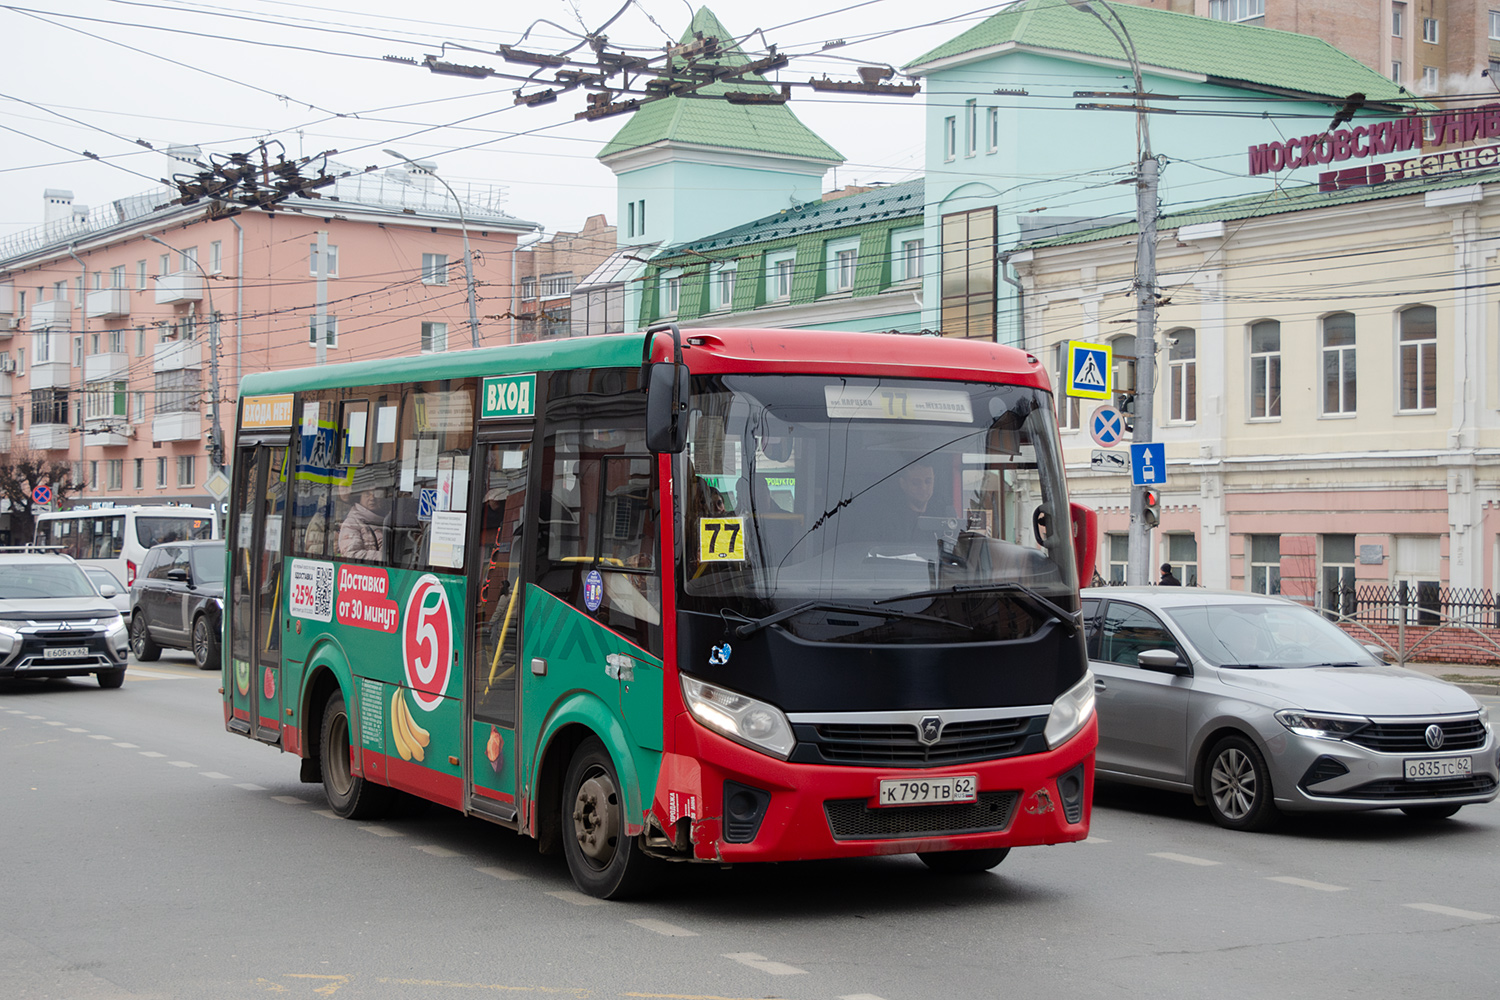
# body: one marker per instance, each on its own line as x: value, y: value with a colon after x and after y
x: 363, y: 533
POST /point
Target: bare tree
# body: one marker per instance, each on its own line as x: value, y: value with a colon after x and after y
x: 21, y: 472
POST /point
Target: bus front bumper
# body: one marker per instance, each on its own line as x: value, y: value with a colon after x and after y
x: 740, y: 805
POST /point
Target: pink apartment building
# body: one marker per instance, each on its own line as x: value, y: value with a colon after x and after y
x: 117, y: 323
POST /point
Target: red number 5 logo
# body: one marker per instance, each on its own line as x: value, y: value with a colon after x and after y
x: 427, y: 642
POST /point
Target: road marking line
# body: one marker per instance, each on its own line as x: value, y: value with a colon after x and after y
x: 151, y: 753
x: 663, y: 928
x: 327, y: 813
x: 249, y: 786
x: 1087, y: 840
x: 764, y: 964
x: 97, y: 736
x: 503, y: 874
x: 576, y: 898
x: 382, y: 831
x: 436, y: 851
x: 1186, y: 859
x: 143, y: 673
x: 77, y: 729
x: 181, y: 763
x: 1307, y: 883
x: 869, y: 996
x: 1449, y: 911
x: 290, y: 800
x: 16, y: 711
x: 215, y: 775
x: 128, y: 746
x: 55, y: 723
x: 36, y: 716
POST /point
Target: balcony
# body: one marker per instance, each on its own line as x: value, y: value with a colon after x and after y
x: 106, y: 367
x: 174, y: 355
x: 5, y: 438
x: 183, y: 286
x: 51, y: 375
x: 10, y: 325
x: 184, y: 426
x: 7, y: 300
x: 56, y: 314
x: 106, y: 432
x: 48, y: 437
x: 107, y: 302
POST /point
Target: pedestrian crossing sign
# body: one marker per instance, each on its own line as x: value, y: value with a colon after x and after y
x: 1088, y: 370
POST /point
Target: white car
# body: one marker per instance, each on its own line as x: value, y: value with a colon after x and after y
x: 1257, y: 705
x: 102, y: 578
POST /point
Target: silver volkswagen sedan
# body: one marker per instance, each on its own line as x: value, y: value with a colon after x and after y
x: 1257, y: 704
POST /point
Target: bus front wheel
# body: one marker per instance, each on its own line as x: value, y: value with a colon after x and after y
x: 603, y: 860
x: 350, y: 796
x: 963, y: 862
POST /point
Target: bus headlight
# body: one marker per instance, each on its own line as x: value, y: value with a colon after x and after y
x: 1070, y: 712
x: 754, y: 723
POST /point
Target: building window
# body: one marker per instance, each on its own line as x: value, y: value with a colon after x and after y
x: 117, y: 276
x: 77, y: 352
x: 312, y: 260
x: 140, y: 275
x: 140, y: 473
x: 671, y: 297
x: 93, y: 475
x: 434, y: 338
x: 630, y: 219
x: 1495, y: 24
x: 968, y: 274
x: 640, y: 216
x: 1419, y: 358
x: 1416, y: 564
x: 331, y: 331
x: 993, y: 139
x: 911, y: 259
x: 185, y: 469
x: 1338, y: 364
x: 179, y: 391
x: 1430, y: 30
x: 1430, y: 78
x: 49, y: 406
x: 844, y: 265
x: 950, y: 138
x: 555, y: 286
x: 216, y: 256
x: 726, y: 288
x: 1236, y: 10
x: 1338, y: 574
x: 1182, y: 553
x: 1395, y: 71
x: 1119, y: 559
x: 1265, y: 370
x: 971, y: 127
x: 187, y: 260
x: 1068, y: 407
x: 1398, y: 19
x: 1265, y: 564
x: 41, y: 347
x: 140, y: 406
x: 114, y: 474
x: 528, y: 288
x: 164, y: 264
x: 781, y: 279
x: 1182, y: 375
x: 161, y: 472
x: 106, y: 399
x: 434, y: 269
x: 1122, y: 350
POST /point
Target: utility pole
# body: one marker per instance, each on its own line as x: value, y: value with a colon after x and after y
x: 468, y: 256
x: 1138, y: 567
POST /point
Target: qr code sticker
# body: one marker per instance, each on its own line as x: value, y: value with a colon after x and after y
x: 312, y: 590
x: 323, y: 591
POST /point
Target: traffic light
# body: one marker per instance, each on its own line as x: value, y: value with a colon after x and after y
x: 1151, y: 507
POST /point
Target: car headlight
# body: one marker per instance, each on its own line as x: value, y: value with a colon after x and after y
x: 1070, y: 712
x: 743, y: 719
x: 12, y: 625
x: 117, y: 633
x: 1484, y: 718
x: 1320, y: 725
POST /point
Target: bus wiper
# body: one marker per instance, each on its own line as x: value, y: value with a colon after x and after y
x: 754, y: 625
x: 1028, y: 596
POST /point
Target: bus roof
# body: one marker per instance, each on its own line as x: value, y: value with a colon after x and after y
x: 705, y: 351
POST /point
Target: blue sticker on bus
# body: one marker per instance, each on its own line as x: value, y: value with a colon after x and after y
x: 593, y: 590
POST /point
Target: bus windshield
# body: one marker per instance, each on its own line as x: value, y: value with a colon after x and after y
x: 156, y: 530
x: 807, y: 488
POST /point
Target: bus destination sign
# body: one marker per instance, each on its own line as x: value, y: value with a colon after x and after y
x: 508, y: 396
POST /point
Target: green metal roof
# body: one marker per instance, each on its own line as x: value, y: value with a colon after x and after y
x: 1235, y: 54
x: 894, y: 201
x: 709, y: 120
x: 622, y: 350
x: 1276, y: 202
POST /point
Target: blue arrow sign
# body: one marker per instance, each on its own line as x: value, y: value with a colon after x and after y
x: 1148, y: 463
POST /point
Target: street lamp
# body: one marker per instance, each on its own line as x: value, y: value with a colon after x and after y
x: 1138, y: 568
x: 216, y: 431
x: 468, y: 259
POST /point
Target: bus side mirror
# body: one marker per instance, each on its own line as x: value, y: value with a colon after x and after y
x: 666, y: 408
x: 1085, y: 540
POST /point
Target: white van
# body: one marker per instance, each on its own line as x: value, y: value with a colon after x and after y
x: 117, y: 537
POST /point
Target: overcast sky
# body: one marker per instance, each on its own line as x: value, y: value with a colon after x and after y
x: 93, y: 76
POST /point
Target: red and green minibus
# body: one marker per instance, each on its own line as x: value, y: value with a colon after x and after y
x: 708, y: 595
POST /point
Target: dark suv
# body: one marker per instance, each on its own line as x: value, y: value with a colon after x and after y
x: 53, y: 623
x: 178, y: 601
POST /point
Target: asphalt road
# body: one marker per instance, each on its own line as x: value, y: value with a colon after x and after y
x: 146, y: 853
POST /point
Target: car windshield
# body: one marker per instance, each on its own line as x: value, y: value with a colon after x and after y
x: 28, y: 580
x: 102, y: 576
x: 813, y: 488
x: 208, y: 564
x: 1267, y: 635
x: 156, y: 530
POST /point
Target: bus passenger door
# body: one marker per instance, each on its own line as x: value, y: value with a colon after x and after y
x: 496, y: 595
x: 255, y: 591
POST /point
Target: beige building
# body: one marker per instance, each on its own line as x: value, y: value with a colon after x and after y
x: 546, y: 273
x: 1326, y: 388
x: 1430, y: 46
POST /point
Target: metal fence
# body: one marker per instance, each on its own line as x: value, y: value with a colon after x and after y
x: 1414, y: 604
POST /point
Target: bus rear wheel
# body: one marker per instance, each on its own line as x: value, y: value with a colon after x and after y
x: 603, y: 860
x: 350, y: 796
x: 963, y: 862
